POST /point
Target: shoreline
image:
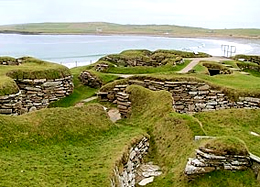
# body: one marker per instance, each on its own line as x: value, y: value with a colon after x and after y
x: 216, y: 37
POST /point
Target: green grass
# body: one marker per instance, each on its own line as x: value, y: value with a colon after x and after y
x: 172, y: 140
x: 242, y: 84
x: 253, y: 72
x: 148, y: 70
x: 110, y: 28
x: 227, y: 145
x: 82, y: 91
x: 80, y: 146
x: 235, y: 122
x: 62, y: 147
x: 30, y: 69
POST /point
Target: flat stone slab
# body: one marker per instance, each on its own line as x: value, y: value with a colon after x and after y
x: 254, y: 134
x: 244, y: 73
x: 114, y: 114
x: 89, y: 99
x: 146, y: 181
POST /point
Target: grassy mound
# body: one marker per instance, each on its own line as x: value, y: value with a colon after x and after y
x: 30, y: 69
x: 234, y: 122
x: 227, y: 146
x: 62, y: 147
x: 249, y: 58
x: 172, y: 140
x: 145, y: 61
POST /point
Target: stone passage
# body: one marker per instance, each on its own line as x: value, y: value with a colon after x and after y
x: 35, y: 94
x: 189, y: 97
x: 126, y: 177
x: 133, y: 58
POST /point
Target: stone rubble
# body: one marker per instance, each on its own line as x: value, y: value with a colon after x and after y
x: 146, y: 173
x: 101, y: 67
x: 127, y: 178
x: 89, y: 79
x: 207, y: 160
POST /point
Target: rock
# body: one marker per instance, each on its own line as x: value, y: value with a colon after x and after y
x: 146, y: 181
x: 32, y: 109
x: 51, y: 84
x: 6, y: 111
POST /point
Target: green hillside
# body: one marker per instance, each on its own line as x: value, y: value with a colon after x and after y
x: 110, y: 28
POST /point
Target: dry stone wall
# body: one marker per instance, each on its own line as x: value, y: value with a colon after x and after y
x: 11, y: 104
x: 123, y: 104
x: 10, y: 62
x: 134, y: 158
x: 207, y: 161
x: 89, y: 79
x: 35, y: 94
x: 189, y: 97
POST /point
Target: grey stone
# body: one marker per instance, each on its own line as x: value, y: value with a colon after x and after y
x: 32, y: 109
x: 52, y: 84
x: 5, y: 111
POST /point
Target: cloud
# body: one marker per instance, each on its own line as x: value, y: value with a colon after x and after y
x: 203, y: 13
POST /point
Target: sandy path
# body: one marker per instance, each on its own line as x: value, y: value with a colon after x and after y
x: 195, y: 61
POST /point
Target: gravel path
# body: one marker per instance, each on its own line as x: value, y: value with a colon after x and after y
x: 195, y: 61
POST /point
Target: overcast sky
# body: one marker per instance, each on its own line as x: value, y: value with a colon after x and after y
x: 199, y: 13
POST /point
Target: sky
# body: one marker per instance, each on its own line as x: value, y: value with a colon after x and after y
x: 217, y: 14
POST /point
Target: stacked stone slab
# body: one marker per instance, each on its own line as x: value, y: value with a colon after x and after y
x: 35, y: 94
x: 11, y: 62
x: 135, y: 156
x: 123, y: 104
x: 89, y: 79
x: 189, y: 97
x: 11, y: 104
x: 207, y: 160
x: 101, y: 67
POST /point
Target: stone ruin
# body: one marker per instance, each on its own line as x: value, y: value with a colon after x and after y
x: 133, y: 58
x: 89, y: 79
x: 102, y: 67
x: 207, y: 160
x: 35, y: 94
x: 132, y: 170
x: 188, y: 96
x: 10, y: 61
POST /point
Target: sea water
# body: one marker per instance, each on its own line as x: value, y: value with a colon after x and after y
x: 78, y: 50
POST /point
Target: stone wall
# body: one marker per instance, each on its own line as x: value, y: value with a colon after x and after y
x: 255, y: 165
x: 11, y: 104
x: 102, y: 67
x: 10, y: 62
x: 189, y: 97
x: 244, y: 66
x: 207, y: 160
x: 133, y: 58
x: 134, y: 158
x: 90, y: 79
x: 35, y: 94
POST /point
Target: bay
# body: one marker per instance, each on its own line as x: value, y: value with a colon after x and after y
x: 78, y: 50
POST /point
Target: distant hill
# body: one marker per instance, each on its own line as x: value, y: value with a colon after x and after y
x: 111, y: 28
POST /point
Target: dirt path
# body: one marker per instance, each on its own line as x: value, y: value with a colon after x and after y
x: 195, y: 61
